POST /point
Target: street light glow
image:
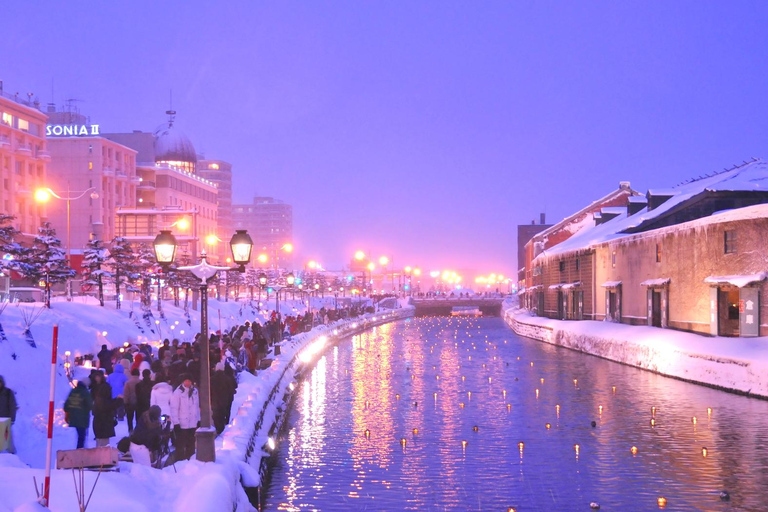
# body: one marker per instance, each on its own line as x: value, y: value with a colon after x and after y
x: 371, y: 266
x: 182, y: 224
x: 262, y: 258
x: 287, y: 247
x: 42, y: 195
x: 359, y: 255
x: 383, y: 261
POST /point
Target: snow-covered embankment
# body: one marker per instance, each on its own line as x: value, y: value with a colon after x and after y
x: 734, y: 364
x: 260, y: 403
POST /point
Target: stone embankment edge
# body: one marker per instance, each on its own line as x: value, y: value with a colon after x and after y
x: 245, y: 441
x: 726, y: 374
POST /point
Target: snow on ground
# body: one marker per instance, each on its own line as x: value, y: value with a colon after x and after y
x: 83, y: 327
x: 736, y: 364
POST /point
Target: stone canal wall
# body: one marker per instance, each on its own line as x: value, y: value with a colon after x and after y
x: 737, y: 365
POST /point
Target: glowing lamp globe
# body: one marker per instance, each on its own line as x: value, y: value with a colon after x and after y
x: 165, y: 247
x: 241, y: 245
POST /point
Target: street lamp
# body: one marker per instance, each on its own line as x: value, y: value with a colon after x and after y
x: 289, y: 280
x: 165, y: 249
x: 262, y: 283
x: 43, y: 195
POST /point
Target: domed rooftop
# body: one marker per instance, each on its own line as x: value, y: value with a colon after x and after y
x: 171, y: 145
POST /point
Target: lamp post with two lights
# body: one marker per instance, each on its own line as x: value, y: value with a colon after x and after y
x: 165, y: 250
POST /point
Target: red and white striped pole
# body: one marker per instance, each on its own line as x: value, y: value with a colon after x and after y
x: 47, y: 485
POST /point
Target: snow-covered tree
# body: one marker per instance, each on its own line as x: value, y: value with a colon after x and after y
x: 121, y: 260
x: 46, y: 260
x: 146, y: 267
x: 95, y: 258
x: 13, y: 252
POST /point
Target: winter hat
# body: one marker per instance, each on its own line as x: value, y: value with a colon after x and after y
x: 219, y: 366
x: 155, y: 412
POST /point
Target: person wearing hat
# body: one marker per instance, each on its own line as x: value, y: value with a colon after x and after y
x: 145, y: 439
x: 185, y: 416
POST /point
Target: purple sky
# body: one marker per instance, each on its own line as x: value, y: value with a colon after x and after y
x: 426, y: 130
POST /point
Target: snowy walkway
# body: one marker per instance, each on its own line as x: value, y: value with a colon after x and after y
x: 734, y: 364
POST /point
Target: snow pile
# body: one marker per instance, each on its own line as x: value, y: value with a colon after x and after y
x: 734, y: 364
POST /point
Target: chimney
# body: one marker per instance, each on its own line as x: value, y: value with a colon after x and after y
x: 624, y: 185
x: 635, y: 204
x: 542, y: 218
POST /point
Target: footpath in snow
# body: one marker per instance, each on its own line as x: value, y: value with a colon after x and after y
x: 734, y: 364
x: 190, y: 485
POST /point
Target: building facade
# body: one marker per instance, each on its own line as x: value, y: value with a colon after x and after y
x: 99, y: 176
x: 170, y: 193
x: 270, y: 223
x: 24, y: 160
x: 690, y: 258
x: 219, y: 172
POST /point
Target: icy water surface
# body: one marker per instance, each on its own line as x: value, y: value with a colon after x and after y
x: 429, y: 414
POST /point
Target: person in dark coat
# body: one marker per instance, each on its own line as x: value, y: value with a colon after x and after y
x: 8, y: 408
x: 129, y: 397
x: 105, y: 359
x: 77, y: 409
x: 223, y: 387
x: 147, y: 437
x: 103, y: 409
x: 144, y: 393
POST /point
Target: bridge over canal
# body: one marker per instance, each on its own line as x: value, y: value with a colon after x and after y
x: 489, y: 306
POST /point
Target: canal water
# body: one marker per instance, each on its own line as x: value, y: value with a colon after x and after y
x: 461, y: 414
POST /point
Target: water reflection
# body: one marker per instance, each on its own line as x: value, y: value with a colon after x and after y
x: 496, y: 451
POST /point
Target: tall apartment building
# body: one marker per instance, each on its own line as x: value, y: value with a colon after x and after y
x: 23, y: 160
x: 96, y: 174
x: 220, y: 173
x: 270, y: 223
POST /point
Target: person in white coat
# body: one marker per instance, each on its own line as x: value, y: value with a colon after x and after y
x: 161, y: 396
x: 185, y: 416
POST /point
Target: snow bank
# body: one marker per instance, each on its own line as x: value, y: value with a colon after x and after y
x: 734, y: 364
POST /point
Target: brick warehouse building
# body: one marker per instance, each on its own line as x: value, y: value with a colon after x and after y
x: 689, y: 258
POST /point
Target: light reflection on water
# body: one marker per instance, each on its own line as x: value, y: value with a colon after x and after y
x: 326, y: 462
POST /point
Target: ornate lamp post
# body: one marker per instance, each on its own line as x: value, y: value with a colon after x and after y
x: 165, y: 249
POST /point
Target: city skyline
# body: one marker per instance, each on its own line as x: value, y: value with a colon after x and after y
x: 427, y: 133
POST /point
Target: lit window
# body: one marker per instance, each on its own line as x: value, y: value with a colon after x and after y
x: 23, y: 125
x: 613, y: 259
x: 658, y: 253
x: 7, y: 119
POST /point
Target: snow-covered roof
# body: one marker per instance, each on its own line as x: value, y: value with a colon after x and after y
x: 611, y: 284
x: 556, y: 286
x: 749, y: 177
x: 534, y: 288
x: 613, y: 210
x: 637, y: 199
x: 171, y: 145
x: 661, y: 281
x: 572, y: 224
x: 738, y: 281
x: 663, y: 192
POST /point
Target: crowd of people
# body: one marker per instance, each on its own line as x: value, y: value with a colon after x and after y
x: 154, y: 387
